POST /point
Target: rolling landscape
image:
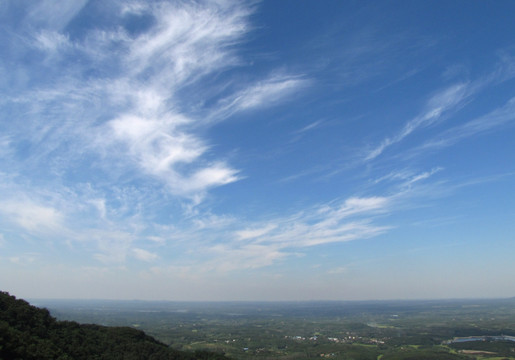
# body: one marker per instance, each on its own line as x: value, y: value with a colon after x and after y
x: 424, y: 329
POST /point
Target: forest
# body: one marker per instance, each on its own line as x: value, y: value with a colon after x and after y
x: 30, y: 333
x: 479, y: 329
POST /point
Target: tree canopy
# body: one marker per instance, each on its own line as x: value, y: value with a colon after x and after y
x: 30, y: 333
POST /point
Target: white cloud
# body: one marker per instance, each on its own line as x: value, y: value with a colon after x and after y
x: 188, y: 41
x: 309, y: 127
x: 156, y: 239
x: 214, y: 175
x: 263, y: 244
x: 100, y: 205
x: 253, y: 233
x: 157, y: 147
x: 128, y: 118
x: 54, y: 14
x: 24, y: 259
x: 134, y: 7
x: 265, y: 93
x: 227, y: 244
x: 422, y: 176
x: 51, y: 41
x: 211, y: 221
x: 406, y: 177
x: 144, y: 255
x: 394, y: 175
x: 451, y: 99
x: 338, y: 270
x: 32, y: 216
x: 445, y: 101
x: 488, y: 122
x: 355, y: 205
x: 112, y: 246
x: 250, y: 256
x: 64, y: 217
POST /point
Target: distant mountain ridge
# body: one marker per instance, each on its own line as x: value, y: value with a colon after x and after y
x: 30, y: 333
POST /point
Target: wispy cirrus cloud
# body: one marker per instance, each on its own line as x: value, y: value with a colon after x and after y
x: 158, y: 149
x: 262, y: 244
x: 489, y: 122
x: 31, y: 216
x: 264, y: 93
x: 439, y: 105
x: 129, y: 108
x: 53, y: 14
x: 51, y: 41
x: 254, y: 233
x: 450, y: 100
x: 228, y: 246
x: 310, y: 127
x: 189, y: 40
x: 185, y: 43
x: 73, y: 219
x: 120, y: 111
x: 405, y: 178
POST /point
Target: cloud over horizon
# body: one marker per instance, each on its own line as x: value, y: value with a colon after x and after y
x: 215, y: 141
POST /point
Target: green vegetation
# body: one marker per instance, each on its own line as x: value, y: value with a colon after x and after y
x: 323, y: 330
x: 498, y: 348
x: 387, y: 330
x: 27, y: 332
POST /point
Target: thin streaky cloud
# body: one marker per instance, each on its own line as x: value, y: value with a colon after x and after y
x: 422, y: 176
x: 254, y: 233
x: 489, y: 122
x: 263, y: 244
x: 51, y: 41
x: 54, y: 14
x: 181, y: 149
x: 264, y: 93
x: 188, y: 41
x: 394, y: 175
x: 405, y: 179
x: 439, y: 105
x: 310, y: 127
x: 448, y: 101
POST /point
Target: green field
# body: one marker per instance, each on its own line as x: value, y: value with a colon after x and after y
x: 313, y: 330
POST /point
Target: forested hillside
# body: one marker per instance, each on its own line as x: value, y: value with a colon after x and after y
x: 28, y: 332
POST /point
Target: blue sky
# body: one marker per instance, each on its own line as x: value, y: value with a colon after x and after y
x: 291, y: 150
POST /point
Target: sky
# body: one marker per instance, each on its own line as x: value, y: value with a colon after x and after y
x: 274, y: 150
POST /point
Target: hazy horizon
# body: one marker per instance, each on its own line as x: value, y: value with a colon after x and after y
x: 413, y: 300
x: 257, y: 150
